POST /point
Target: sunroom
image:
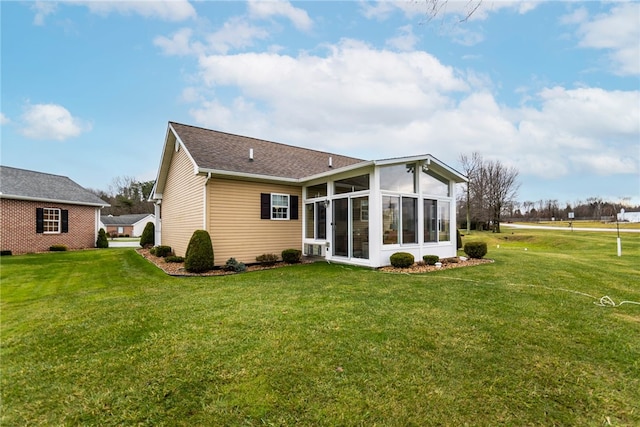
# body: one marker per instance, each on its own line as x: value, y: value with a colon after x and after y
x: 365, y: 213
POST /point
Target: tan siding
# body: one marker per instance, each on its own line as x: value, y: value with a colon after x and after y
x: 235, y: 225
x: 182, y: 203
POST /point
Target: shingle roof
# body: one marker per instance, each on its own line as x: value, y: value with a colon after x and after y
x: 30, y: 185
x: 221, y: 151
x: 128, y: 219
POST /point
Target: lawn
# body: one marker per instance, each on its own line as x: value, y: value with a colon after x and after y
x: 105, y: 338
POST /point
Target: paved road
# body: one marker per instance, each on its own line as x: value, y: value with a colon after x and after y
x: 548, y: 227
x: 116, y: 244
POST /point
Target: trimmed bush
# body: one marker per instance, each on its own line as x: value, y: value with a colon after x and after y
x: 402, y: 259
x: 148, y: 238
x: 431, y: 259
x: 458, y: 239
x: 173, y: 258
x: 162, y: 251
x: 267, y: 259
x: 291, y: 256
x: 58, y: 248
x: 475, y: 249
x: 5, y: 253
x: 234, y: 265
x: 199, y: 256
x: 102, y: 241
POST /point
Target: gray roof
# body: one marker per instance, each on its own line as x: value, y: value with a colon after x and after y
x: 30, y: 185
x: 220, y: 151
x: 129, y: 219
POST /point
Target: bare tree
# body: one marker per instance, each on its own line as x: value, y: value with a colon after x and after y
x: 492, y: 187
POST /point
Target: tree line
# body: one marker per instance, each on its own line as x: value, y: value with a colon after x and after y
x: 126, y: 195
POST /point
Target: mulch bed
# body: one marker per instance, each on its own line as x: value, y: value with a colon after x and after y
x: 177, y: 268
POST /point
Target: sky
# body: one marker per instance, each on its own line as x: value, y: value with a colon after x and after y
x: 550, y: 88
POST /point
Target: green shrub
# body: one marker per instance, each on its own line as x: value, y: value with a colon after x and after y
x: 234, y: 265
x: 475, y: 249
x: 173, y: 258
x: 58, y: 248
x: 458, y: 239
x: 199, y: 256
x: 402, y: 259
x: 431, y: 259
x: 267, y: 259
x: 102, y: 241
x: 148, y: 238
x: 162, y: 251
x: 5, y: 253
x: 291, y: 256
x: 152, y: 251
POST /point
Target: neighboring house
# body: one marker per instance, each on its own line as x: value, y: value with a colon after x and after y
x: 629, y: 216
x: 129, y: 225
x: 256, y: 197
x: 39, y: 210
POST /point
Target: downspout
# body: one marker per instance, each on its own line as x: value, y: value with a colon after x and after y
x: 205, y: 210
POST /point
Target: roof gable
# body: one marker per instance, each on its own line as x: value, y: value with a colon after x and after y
x: 31, y: 185
x: 128, y: 219
x: 218, y: 151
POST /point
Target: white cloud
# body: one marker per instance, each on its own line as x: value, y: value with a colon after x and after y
x: 405, y: 40
x: 52, y: 122
x: 179, y: 43
x: 236, y: 33
x: 4, y: 120
x: 267, y: 9
x: 166, y: 10
x: 617, y: 32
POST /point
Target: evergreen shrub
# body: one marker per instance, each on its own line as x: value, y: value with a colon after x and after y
x: 148, y: 238
x: 102, y: 241
x: 475, y: 249
x: 402, y: 259
x: 431, y: 259
x: 173, y: 258
x: 291, y: 256
x: 199, y: 256
x: 163, y: 251
x: 234, y: 265
x: 5, y: 253
x: 267, y: 259
x: 58, y: 248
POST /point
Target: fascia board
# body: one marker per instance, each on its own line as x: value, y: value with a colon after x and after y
x: 42, y: 199
x: 337, y: 171
x: 248, y: 176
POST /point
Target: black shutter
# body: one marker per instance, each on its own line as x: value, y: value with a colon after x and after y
x: 64, y: 216
x: 265, y: 206
x: 39, y: 220
x: 293, y: 207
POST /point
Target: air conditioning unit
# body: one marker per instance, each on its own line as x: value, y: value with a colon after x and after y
x: 314, y: 250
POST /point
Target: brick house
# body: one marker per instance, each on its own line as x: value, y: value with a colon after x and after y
x: 129, y: 225
x: 38, y: 210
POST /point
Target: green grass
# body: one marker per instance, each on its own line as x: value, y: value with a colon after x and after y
x: 105, y: 338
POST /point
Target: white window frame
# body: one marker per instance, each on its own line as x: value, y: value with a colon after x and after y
x: 51, y: 226
x: 274, y: 214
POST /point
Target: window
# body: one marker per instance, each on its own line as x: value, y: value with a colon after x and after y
x: 316, y: 221
x: 431, y: 183
x: 390, y: 215
x: 398, y: 178
x: 278, y: 206
x: 349, y: 185
x: 444, y: 231
x: 430, y: 220
x: 409, y: 220
x: 314, y: 191
x: 52, y: 220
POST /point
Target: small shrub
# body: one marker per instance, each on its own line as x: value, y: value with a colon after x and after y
x: 475, y: 249
x: 5, y: 253
x: 163, y: 251
x: 102, y: 241
x: 402, y: 260
x: 148, y: 238
x: 58, y: 248
x: 291, y: 256
x: 173, y: 258
x: 431, y: 259
x: 152, y: 251
x: 234, y: 265
x: 267, y: 259
x: 199, y: 256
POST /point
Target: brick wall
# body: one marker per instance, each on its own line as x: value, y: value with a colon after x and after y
x: 126, y: 229
x: 18, y: 227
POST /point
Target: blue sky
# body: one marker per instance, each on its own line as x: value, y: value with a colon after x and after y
x: 551, y: 88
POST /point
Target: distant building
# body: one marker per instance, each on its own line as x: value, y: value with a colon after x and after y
x: 39, y: 210
x: 629, y: 216
x: 126, y: 225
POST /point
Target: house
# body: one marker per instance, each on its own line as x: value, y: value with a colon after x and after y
x: 255, y: 197
x: 628, y: 216
x: 39, y: 210
x: 131, y: 225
